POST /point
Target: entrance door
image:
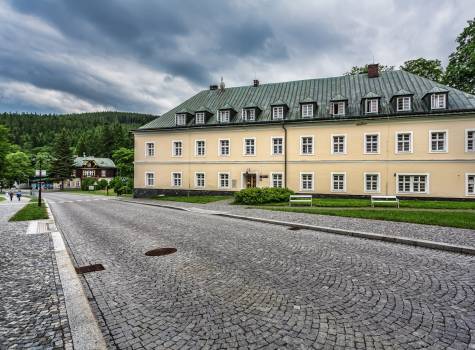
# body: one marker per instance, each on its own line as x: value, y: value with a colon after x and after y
x: 251, y: 180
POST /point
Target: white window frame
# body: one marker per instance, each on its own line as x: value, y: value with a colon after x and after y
x: 427, y: 175
x: 224, y: 113
x: 466, y: 140
x: 378, y: 189
x: 305, y: 107
x: 245, y: 114
x: 244, y: 153
x: 466, y: 184
x: 147, y: 155
x: 229, y: 179
x: 200, y: 118
x: 369, y: 102
x: 146, y: 178
x: 301, y: 145
x: 435, y: 100
x: 365, y: 142
x: 272, y: 145
x: 411, y: 142
x: 341, y: 104
x: 405, y: 108
x: 332, y: 136
x: 278, y: 112
x: 196, y: 179
x: 301, y: 181
x: 332, y: 189
x: 173, y: 178
x: 173, y: 148
x: 446, y: 141
x: 220, y: 153
x: 179, y: 117
x: 271, y: 178
x: 204, y: 148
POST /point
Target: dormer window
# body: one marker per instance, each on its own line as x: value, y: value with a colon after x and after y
x: 337, y: 108
x: 248, y: 114
x: 224, y: 116
x: 200, y: 118
x: 278, y: 112
x: 180, y: 119
x: 307, y: 110
x: 403, y: 104
x: 438, y: 101
x: 371, y: 105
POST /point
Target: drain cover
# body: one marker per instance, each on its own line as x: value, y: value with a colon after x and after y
x: 294, y: 228
x: 161, y: 251
x: 89, y: 268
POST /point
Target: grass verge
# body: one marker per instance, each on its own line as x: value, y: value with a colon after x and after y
x: 2, y: 198
x: 192, y: 199
x: 31, y: 211
x: 97, y: 192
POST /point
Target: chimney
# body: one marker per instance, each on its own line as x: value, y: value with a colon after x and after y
x: 213, y: 87
x: 373, y: 70
x: 255, y: 83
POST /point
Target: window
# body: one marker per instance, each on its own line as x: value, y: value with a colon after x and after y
x: 181, y: 119
x: 403, y: 104
x: 470, y: 141
x: 199, y: 179
x: 404, y: 142
x: 306, y: 145
x: 337, y: 108
x: 248, y: 114
x: 224, y: 116
x: 412, y: 183
x: 277, y: 180
x: 437, y: 101
x: 371, y: 105
x: 307, y: 110
x: 224, y: 147
x: 150, y: 149
x: 88, y: 173
x: 371, y: 143
x: 470, y: 184
x: 177, y: 149
x: 200, y: 118
x: 200, y: 149
x: 103, y: 173
x: 438, y: 141
x: 338, y: 144
x: 250, y: 147
x: 149, y: 179
x: 338, y: 183
x: 278, y: 112
x: 277, y: 145
x: 176, y: 179
x: 306, y: 181
x: 371, y: 182
x: 223, y: 180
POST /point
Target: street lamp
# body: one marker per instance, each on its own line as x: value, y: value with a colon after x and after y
x: 38, y: 161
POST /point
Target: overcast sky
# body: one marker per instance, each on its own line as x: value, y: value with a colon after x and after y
x: 147, y: 56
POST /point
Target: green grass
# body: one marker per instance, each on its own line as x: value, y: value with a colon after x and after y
x: 2, y: 198
x: 192, y: 199
x: 458, y: 219
x: 97, y: 192
x: 31, y: 211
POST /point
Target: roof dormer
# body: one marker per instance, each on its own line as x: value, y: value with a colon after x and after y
x: 225, y: 114
x: 202, y: 115
x: 308, y: 108
x: 401, y: 101
x: 279, y: 110
x: 182, y: 117
x: 250, y: 112
x: 338, y: 105
x: 437, y: 98
x: 371, y: 103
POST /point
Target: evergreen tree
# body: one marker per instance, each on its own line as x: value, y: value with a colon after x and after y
x: 81, y: 147
x: 62, y: 164
x: 5, y: 148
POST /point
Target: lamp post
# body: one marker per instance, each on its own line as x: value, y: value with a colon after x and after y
x: 39, y: 190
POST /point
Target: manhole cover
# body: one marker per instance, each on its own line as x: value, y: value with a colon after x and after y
x: 294, y: 228
x: 89, y: 268
x: 161, y: 251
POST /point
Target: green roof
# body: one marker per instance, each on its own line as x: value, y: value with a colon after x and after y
x: 322, y: 91
x: 101, y: 162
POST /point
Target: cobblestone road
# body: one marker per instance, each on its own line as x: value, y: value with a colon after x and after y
x: 237, y: 284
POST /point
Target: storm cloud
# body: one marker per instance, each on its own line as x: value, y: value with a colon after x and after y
x: 147, y: 56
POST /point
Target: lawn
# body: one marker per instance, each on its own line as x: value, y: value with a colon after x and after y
x: 192, y: 199
x: 31, y: 211
x: 458, y: 219
x: 97, y: 192
x: 2, y: 198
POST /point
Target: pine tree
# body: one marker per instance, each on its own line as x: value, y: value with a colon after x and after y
x: 62, y: 164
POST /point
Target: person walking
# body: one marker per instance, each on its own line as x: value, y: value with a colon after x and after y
x: 18, y: 195
x: 10, y: 193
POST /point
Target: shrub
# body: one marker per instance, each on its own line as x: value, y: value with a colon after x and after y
x: 102, y: 184
x: 262, y: 195
x: 85, y: 183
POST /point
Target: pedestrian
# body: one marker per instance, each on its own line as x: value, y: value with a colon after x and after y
x: 10, y: 193
x: 18, y: 195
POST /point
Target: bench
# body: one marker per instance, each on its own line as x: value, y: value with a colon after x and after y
x: 300, y: 198
x: 384, y: 199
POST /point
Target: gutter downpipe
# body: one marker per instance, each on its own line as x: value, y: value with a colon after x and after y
x: 285, y: 154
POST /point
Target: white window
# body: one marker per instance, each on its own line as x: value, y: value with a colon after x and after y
x: 88, y: 173
x: 277, y: 180
x: 306, y: 181
x: 224, y: 116
x: 404, y: 142
x: 277, y: 145
x: 412, y: 183
x: 371, y: 182
x: 200, y: 148
x: 470, y: 184
x: 338, y: 144
x: 403, y: 104
x: 250, y: 147
x: 248, y: 114
x: 278, y: 112
x: 371, y: 105
x: 176, y: 179
x: 224, y: 147
x: 338, y: 182
x: 200, y: 180
x: 177, y: 148
x: 307, y: 110
x: 437, y: 101
x: 200, y: 118
x: 470, y: 140
x: 337, y: 108
x: 149, y: 179
x: 371, y: 144
x: 223, y: 180
x: 103, y: 173
x: 438, y: 141
x: 150, y: 149
x: 181, y: 119
x: 306, y: 145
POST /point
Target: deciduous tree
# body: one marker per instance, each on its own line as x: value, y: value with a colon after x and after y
x: 430, y: 69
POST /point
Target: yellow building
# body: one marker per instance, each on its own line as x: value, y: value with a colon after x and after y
x: 390, y: 133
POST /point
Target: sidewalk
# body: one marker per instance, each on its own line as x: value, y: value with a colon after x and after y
x: 447, y: 235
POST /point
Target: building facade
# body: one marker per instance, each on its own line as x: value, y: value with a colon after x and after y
x: 89, y: 167
x: 392, y: 133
